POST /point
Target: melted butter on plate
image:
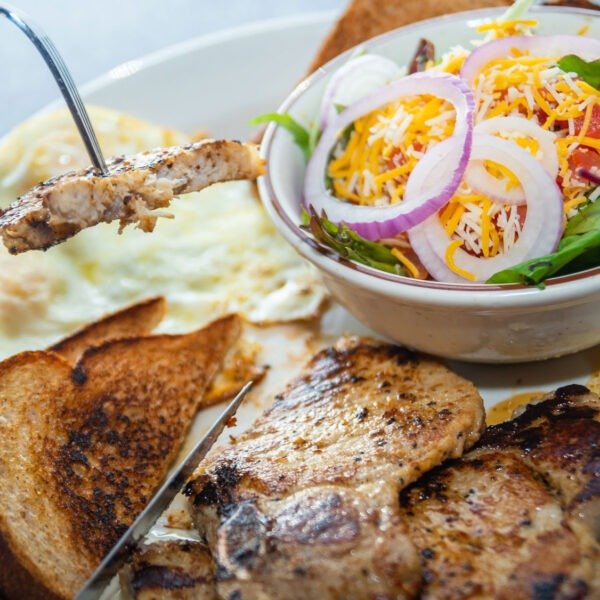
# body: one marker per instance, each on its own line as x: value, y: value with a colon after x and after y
x: 504, y: 410
x: 594, y: 381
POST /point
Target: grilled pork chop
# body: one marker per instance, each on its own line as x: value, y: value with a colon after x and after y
x: 518, y: 516
x: 171, y: 570
x: 135, y: 187
x: 305, y: 503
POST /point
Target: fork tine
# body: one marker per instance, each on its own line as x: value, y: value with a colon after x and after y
x: 64, y: 80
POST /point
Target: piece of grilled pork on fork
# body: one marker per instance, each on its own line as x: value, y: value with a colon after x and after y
x: 132, y: 191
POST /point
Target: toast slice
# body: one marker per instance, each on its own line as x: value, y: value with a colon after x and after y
x: 364, y: 19
x: 141, y: 319
x: 133, y: 321
x: 84, y: 447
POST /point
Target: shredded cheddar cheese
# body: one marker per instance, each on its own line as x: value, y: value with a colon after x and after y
x: 450, y: 251
x: 535, y: 88
x: 452, y: 223
x: 485, y: 227
x: 586, y: 122
x: 372, y: 164
x: 503, y: 28
x: 574, y: 203
x: 384, y: 147
x: 584, y: 29
x: 406, y: 262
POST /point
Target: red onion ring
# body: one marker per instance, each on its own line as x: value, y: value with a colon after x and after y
x: 535, y: 45
x: 477, y: 176
x: 541, y: 231
x: 375, y: 222
x: 353, y: 81
x: 587, y: 174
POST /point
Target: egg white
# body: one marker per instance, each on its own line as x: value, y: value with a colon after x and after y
x: 220, y: 253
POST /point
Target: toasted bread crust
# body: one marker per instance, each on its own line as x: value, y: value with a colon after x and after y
x: 124, y: 421
x: 364, y: 19
x: 85, y: 447
x: 135, y: 320
x: 24, y: 575
x: 16, y: 577
x: 18, y: 572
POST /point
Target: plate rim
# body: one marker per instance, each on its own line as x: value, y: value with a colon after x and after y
x: 131, y: 67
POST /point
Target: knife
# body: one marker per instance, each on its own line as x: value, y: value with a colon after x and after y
x: 115, y: 559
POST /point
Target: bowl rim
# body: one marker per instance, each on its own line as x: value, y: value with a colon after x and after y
x: 363, y: 275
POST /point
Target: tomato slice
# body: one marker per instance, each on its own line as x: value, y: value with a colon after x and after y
x: 584, y: 158
x: 594, y: 128
x: 396, y: 159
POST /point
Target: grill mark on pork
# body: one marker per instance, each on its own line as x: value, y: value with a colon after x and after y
x: 322, y: 519
x: 168, y: 578
x: 171, y: 570
x: 304, y: 504
x: 241, y: 540
x: 515, y: 517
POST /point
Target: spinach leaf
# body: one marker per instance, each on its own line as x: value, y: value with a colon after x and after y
x: 579, y: 249
x: 588, y: 71
x: 304, y: 218
x: 349, y: 244
x: 302, y: 138
x: 587, y: 219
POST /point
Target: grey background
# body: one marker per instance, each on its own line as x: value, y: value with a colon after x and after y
x: 96, y: 35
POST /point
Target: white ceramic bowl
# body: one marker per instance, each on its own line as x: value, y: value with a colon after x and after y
x: 477, y: 323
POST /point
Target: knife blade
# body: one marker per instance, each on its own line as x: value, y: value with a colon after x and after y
x: 118, y: 555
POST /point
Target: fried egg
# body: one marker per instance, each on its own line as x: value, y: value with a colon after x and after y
x: 48, y: 144
x: 220, y: 253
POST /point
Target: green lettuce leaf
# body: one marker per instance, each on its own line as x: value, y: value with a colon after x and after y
x: 588, y: 71
x: 587, y: 219
x: 517, y: 10
x: 349, y: 244
x: 304, y: 139
x: 579, y: 249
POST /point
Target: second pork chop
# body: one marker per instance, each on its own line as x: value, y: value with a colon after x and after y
x: 518, y: 516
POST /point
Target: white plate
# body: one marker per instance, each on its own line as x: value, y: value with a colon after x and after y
x: 218, y: 83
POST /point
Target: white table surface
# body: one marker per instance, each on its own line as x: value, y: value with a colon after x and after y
x: 96, y: 35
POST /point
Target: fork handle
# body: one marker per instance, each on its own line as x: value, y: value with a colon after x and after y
x: 65, y: 82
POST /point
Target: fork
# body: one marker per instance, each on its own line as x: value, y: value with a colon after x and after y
x: 65, y: 82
